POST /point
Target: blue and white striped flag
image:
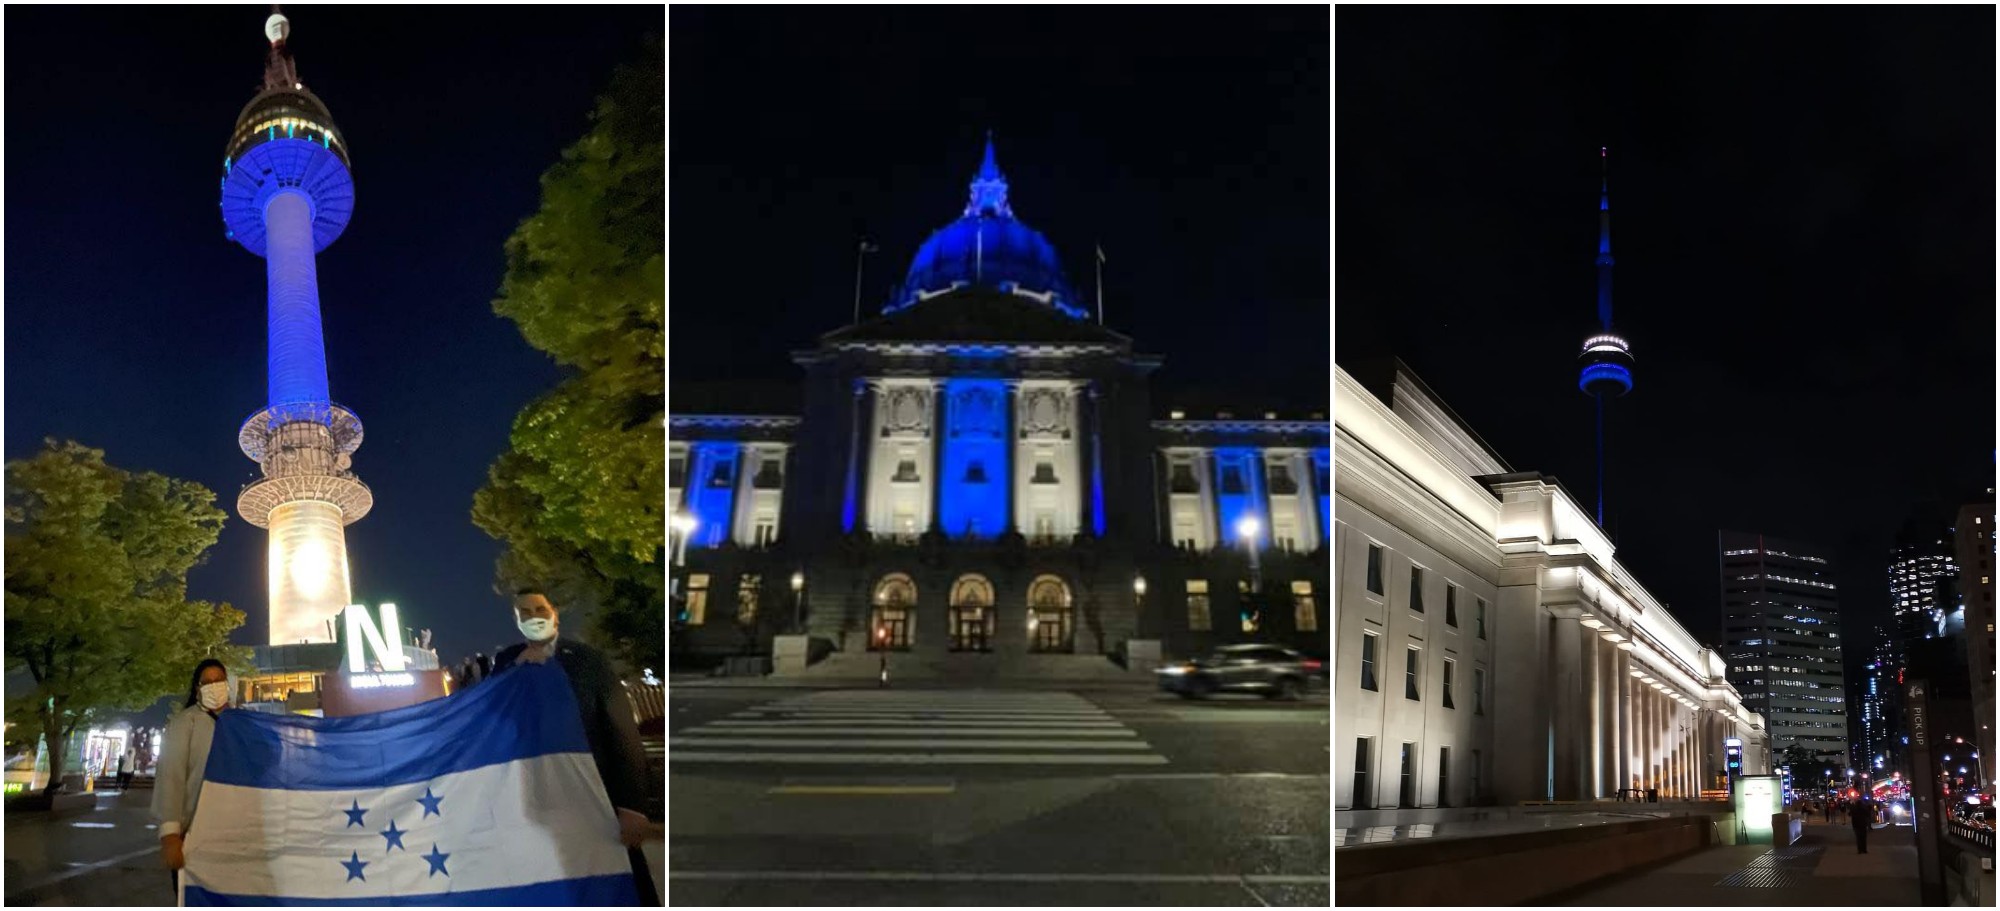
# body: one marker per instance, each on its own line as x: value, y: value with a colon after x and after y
x: 488, y: 797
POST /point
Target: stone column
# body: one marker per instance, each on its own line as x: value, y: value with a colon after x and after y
x: 937, y: 434
x: 859, y: 429
x: 1013, y: 450
x: 1094, y: 479
x: 1607, y: 736
x: 1593, y: 708
x: 1623, y: 672
x: 1570, y: 757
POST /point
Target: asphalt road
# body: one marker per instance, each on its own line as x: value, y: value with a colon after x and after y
x: 985, y: 797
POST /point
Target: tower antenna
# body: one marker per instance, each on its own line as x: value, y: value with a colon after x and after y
x: 1606, y: 357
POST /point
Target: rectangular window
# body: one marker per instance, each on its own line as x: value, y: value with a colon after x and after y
x: 1305, y: 613
x: 1450, y: 604
x: 1472, y: 796
x: 1374, y: 569
x: 1410, y: 661
x: 1449, y: 666
x: 766, y: 530
x: 746, y: 598
x: 1417, y: 589
x: 1362, y: 798
x: 1481, y: 608
x: 1197, y: 604
x: 1407, y: 792
x: 1478, y: 691
x: 697, y: 599
x: 1368, y: 662
x: 1444, y: 776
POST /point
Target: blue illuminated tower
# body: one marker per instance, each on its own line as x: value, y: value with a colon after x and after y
x: 286, y: 194
x: 1607, y: 359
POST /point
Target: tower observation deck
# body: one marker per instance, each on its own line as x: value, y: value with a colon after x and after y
x: 1606, y: 357
x: 286, y: 194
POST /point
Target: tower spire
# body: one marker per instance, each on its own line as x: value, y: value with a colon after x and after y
x: 279, y: 70
x: 1604, y: 260
x: 989, y: 187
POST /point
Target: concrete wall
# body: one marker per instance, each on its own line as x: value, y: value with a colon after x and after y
x: 1508, y: 870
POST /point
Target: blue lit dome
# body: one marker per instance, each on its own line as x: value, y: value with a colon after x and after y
x: 989, y: 247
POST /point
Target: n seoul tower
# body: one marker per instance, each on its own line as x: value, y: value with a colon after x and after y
x: 286, y: 194
x: 1607, y: 359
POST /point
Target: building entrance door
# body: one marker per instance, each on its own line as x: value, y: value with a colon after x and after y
x: 969, y: 627
x: 892, y: 629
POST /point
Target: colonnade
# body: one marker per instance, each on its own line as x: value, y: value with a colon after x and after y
x: 1628, y: 733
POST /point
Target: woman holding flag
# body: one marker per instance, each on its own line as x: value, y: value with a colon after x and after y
x: 183, y: 758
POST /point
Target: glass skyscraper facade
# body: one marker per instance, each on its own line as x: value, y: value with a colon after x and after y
x: 1922, y: 581
x: 1781, y: 638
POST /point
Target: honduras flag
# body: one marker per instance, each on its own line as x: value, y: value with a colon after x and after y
x: 488, y: 797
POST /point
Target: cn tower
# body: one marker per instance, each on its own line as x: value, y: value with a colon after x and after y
x: 286, y: 194
x: 1607, y: 359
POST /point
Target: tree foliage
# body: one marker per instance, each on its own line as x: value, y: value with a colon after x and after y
x: 577, y: 497
x: 96, y: 589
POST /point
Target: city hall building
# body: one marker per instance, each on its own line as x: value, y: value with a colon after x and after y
x: 1490, y: 648
x: 978, y: 476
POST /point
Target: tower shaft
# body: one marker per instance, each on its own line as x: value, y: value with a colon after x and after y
x: 297, y: 353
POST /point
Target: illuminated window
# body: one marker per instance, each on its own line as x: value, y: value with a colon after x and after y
x: 1305, y: 613
x: 746, y: 598
x: 697, y: 598
x: 1197, y: 604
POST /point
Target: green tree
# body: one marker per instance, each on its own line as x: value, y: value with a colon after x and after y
x: 577, y: 498
x: 97, y: 609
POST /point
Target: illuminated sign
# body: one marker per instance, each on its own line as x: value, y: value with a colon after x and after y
x: 372, y: 681
x: 1757, y: 799
x: 386, y: 640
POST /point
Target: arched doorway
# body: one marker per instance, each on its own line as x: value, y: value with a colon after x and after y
x: 895, y: 599
x: 1049, y: 615
x: 971, y: 614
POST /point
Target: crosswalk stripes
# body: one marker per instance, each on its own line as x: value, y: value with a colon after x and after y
x: 917, y: 727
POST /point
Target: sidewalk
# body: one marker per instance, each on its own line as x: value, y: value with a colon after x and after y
x: 110, y: 856
x: 1822, y: 869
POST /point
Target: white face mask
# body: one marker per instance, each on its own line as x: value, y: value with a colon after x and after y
x: 214, y: 695
x: 537, y: 629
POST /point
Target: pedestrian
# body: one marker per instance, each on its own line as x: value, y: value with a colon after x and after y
x: 1862, y: 813
x: 125, y: 769
x: 884, y: 679
x: 608, y: 725
x: 183, y: 759
x: 1827, y: 806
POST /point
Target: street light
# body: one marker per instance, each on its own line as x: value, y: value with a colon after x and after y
x: 1246, y: 528
x: 1139, y: 599
x: 798, y: 602
x: 685, y: 524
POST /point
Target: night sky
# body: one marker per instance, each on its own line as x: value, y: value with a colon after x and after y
x: 1191, y: 144
x: 1802, y: 215
x: 133, y: 326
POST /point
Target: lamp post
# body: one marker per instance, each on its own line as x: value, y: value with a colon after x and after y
x: 1138, y: 599
x: 798, y: 602
x: 1246, y: 528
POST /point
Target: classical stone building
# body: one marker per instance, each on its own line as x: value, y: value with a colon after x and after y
x: 1490, y: 647
x: 979, y: 475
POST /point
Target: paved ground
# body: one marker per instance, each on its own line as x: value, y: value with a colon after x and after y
x: 1822, y: 870
x: 107, y: 857
x: 1114, y: 796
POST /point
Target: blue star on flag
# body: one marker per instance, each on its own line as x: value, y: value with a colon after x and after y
x: 393, y: 836
x: 436, y: 859
x: 431, y: 803
x: 354, y: 863
x: 354, y: 815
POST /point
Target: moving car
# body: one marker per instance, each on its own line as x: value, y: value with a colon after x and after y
x: 1275, y: 672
